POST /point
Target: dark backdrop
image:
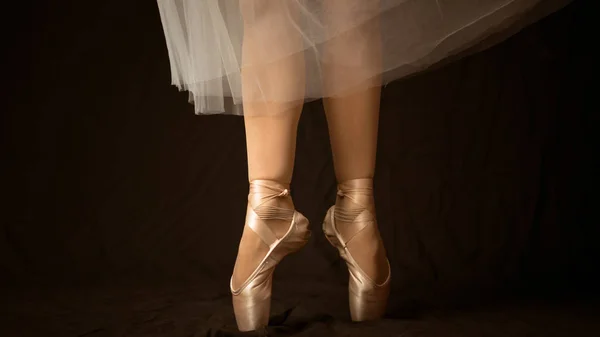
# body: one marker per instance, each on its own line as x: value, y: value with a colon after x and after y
x: 485, y: 182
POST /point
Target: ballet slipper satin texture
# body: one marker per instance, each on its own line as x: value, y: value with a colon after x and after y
x: 252, y: 300
x: 367, y: 299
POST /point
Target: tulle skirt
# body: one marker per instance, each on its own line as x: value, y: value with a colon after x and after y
x: 275, y: 54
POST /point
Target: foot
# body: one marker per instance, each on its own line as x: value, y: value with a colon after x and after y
x: 356, y: 222
x: 273, y: 205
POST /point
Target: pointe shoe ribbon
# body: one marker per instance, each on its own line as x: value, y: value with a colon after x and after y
x: 252, y: 300
x: 367, y: 299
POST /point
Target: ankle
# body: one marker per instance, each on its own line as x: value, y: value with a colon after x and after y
x: 270, y: 192
x: 271, y: 202
x: 272, y: 184
x: 355, y: 194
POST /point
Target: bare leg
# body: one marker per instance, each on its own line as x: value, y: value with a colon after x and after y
x: 273, y: 95
x: 353, y: 117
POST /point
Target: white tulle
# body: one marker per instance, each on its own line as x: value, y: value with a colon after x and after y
x: 299, y: 50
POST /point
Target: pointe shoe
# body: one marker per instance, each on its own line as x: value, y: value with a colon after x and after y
x: 252, y: 300
x: 367, y: 299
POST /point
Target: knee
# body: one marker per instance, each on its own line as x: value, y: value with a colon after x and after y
x: 259, y: 11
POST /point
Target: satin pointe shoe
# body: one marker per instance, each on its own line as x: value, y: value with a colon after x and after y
x: 368, y: 299
x: 252, y: 299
